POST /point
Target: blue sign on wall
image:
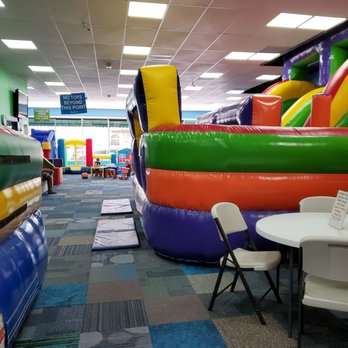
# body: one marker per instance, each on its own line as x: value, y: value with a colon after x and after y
x: 74, y: 103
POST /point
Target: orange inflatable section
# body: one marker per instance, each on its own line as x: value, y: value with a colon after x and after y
x: 250, y: 191
x: 267, y: 110
x: 320, y: 114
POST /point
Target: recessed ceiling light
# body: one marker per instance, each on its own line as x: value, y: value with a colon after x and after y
x: 125, y: 85
x: 136, y: 50
x: 40, y: 68
x: 288, y: 20
x: 54, y: 83
x: 264, y: 56
x: 30, y: 87
x: 208, y: 75
x: 322, y: 23
x: 267, y: 77
x: 146, y: 10
x: 193, y: 88
x: 235, y: 91
x: 184, y: 96
x: 239, y: 55
x: 1, y: 4
x: 128, y: 72
x: 234, y: 98
x: 20, y: 44
x: 122, y: 95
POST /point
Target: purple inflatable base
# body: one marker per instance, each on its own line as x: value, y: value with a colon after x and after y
x: 187, y: 235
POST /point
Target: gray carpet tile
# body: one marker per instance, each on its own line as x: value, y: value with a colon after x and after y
x: 110, y: 316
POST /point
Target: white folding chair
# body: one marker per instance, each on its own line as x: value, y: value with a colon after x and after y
x: 324, y: 280
x: 319, y: 204
x: 228, y: 220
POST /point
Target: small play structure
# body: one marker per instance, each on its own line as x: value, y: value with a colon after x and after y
x: 78, y: 156
x: 48, y: 136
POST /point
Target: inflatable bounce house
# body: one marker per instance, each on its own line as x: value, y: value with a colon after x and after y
x: 46, y: 137
x: 314, y: 83
x: 183, y: 170
x: 23, y: 247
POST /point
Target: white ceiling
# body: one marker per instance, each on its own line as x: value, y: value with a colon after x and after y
x: 195, y: 34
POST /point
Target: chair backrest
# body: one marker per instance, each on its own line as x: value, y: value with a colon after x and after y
x: 229, y: 216
x: 326, y: 257
x: 320, y: 204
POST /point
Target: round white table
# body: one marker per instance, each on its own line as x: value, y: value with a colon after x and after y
x: 288, y: 229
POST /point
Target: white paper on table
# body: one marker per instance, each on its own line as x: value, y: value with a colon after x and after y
x: 339, y: 210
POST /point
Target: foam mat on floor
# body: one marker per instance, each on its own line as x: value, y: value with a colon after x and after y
x: 116, y: 206
x: 115, y: 234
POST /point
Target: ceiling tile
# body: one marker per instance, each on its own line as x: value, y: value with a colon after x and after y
x: 140, y: 37
x: 108, y: 51
x: 81, y: 50
x: 215, y: 21
x: 109, y: 13
x: 181, y: 18
x: 68, y: 11
x: 169, y: 39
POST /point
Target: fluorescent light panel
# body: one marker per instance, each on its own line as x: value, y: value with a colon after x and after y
x: 184, y: 96
x: 2, y: 4
x: 54, y: 83
x: 193, y: 88
x: 146, y: 10
x: 126, y: 72
x: 264, y: 56
x: 62, y: 93
x: 267, y: 77
x: 136, y: 50
x: 30, y: 87
x: 125, y: 85
x: 20, y: 44
x: 235, y: 91
x: 322, y: 23
x: 288, y: 20
x: 239, y: 55
x: 40, y: 68
x: 208, y: 75
x: 234, y: 98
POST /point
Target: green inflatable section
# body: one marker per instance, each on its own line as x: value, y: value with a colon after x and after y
x: 226, y: 152
x: 20, y: 159
x: 300, y: 118
x: 343, y: 122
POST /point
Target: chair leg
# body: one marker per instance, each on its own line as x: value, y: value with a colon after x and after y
x: 234, y: 282
x: 300, y: 323
x: 217, y: 284
x: 274, y: 289
x: 252, y: 298
x: 277, y: 279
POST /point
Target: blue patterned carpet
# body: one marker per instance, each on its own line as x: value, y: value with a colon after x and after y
x: 134, y: 298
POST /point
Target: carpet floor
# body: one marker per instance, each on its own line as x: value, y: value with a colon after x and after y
x: 135, y: 298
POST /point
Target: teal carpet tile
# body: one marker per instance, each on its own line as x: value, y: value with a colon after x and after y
x: 61, y: 295
x: 201, y: 333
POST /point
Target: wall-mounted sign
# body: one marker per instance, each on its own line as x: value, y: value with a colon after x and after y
x: 74, y: 103
x: 42, y: 115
